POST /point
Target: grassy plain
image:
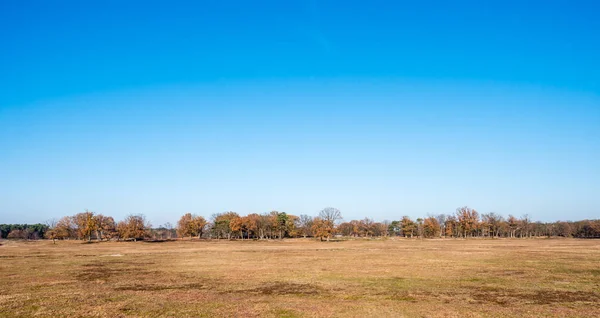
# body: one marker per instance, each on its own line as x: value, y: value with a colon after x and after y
x: 302, y: 278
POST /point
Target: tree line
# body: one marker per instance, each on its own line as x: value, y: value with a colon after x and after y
x: 23, y: 231
x: 464, y: 223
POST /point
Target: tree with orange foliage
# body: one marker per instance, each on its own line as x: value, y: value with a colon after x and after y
x: 468, y: 220
x: 65, y: 228
x: 133, y: 227
x: 513, y: 225
x: 105, y: 225
x: 345, y: 228
x: 322, y: 228
x: 408, y: 226
x: 251, y: 224
x: 236, y: 225
x: 192, y: 225
x: 431, y: 227
x: 292, y: 225
x: 86, y: 224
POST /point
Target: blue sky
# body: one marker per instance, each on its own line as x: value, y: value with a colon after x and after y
x: 379, y: 108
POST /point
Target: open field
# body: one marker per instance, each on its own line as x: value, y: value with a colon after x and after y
x: 302, y: 278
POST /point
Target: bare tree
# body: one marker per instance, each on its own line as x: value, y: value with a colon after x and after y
x: 441, y: 218
x: 305, y: 225
x: 52, y: 232
x: 330, y: 214
x: 169, y: 228
x: 525, y: 226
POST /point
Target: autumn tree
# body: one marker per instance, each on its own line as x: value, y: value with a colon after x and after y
x: 51, y: 233
x: 17, y: 234
x: 563, y: 229
x: 525, y: 223
x: 86, y: 224
x: 236, y: 225
x: 386, y: 224
x: 199, y: 223
x: 65, y: 228
x: 493, y: 222
x: 251, y: 222
x: 104, y: 226
x: 356, y: 227
x: 513, y: 225
x: 133, y: 227
x: 468, y: 220
x: 345, y: 229
x: 322, y: 228
x: 264, y: 224
x: 221, y: 224
x: 190, y: 225
x: 420, y: 227
x: 366, y: 227
x: 451, y: 226
x: 431, y: 227
x: 408, y: 226
x: 380, y: 229
x: 291, y: 229
x: 273, y: 228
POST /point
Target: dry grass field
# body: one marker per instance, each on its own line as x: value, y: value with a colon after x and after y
x: 302, y: 278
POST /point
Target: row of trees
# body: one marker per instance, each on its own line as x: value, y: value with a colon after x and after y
x: 464, y: 223
x: 89, y: 225
x: 270, y: 225
x: 23, y: 231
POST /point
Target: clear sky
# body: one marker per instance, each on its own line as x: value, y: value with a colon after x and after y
x: 379, y: 108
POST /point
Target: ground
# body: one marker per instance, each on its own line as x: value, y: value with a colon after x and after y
x: 302, y: 278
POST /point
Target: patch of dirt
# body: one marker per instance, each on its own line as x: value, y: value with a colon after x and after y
x: 93, y: 272
x: 157, y: 287
x: 510, y: 273
x: 403, y: 296
x: 284, y: 288
x: 549, y: 296
x: 105, y: 271
x: 542, y: 297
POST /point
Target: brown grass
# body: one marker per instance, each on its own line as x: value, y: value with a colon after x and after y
x: 302, y: 278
